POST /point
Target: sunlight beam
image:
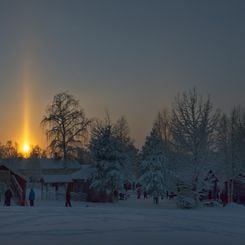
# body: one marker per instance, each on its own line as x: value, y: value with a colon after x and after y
x: 26, y: 109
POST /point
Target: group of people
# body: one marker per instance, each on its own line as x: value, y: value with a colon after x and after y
x: 8, y: 196
x: 31, y: 197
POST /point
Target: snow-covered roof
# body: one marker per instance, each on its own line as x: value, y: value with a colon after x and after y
x: 13, y: 170
x: 84, y: 173
x: 241, y: 178
x: 48, y: 164
x: 58, y: 164
x: 55, y: 178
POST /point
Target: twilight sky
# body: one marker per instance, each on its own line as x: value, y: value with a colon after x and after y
x: 130, y: 57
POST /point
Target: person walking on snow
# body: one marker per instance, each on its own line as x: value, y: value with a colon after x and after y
x: 138, y: 193
x: 8, y: 196
x: 68, y: 198
x: 155, y: 197
x: 31, y: 197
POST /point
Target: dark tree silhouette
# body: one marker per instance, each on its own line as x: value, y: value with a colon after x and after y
x: 9, y: 150
x: 37, y: 152
x: 66, y: 125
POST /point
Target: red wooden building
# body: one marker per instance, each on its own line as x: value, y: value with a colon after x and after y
x: 15, y: 181
x: 239, y: 189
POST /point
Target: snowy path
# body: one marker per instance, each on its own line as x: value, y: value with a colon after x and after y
x: 122, y: 223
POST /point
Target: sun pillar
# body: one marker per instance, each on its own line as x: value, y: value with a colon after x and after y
x: 25, y: 144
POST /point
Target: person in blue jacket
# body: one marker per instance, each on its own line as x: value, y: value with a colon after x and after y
x: 31, y: 197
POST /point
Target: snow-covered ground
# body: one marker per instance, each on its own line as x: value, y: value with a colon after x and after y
x: 126, y: 222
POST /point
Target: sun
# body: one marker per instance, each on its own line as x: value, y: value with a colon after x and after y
x: 26, y: 148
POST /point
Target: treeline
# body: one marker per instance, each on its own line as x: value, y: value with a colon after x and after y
x: 185, y: 142
x: 10, y: 150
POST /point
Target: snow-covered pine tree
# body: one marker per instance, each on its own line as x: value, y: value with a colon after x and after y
x: 109, y: 157
x: 153, y: 162
x: 130, y: 153
x: 231, y: 146
x: 237, y: 141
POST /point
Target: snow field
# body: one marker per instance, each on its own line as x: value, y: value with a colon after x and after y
x: 126, y: 222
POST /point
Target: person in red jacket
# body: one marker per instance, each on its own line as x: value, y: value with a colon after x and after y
x: 224, y: 198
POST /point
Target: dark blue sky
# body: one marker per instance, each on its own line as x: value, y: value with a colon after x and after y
x: 130, y: 57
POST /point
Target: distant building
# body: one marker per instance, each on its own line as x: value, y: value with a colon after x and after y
x: 53, y: 176
x: 35, y: 168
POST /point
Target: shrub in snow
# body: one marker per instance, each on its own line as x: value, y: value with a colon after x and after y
x: 186, y: 201
x: 186, y: 197
x: 235, y: 206
x: 211, y: 203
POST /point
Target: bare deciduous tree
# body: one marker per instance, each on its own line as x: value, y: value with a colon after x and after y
x: 193, y: 125
x: 121, y: 130
x: 66, y: 125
